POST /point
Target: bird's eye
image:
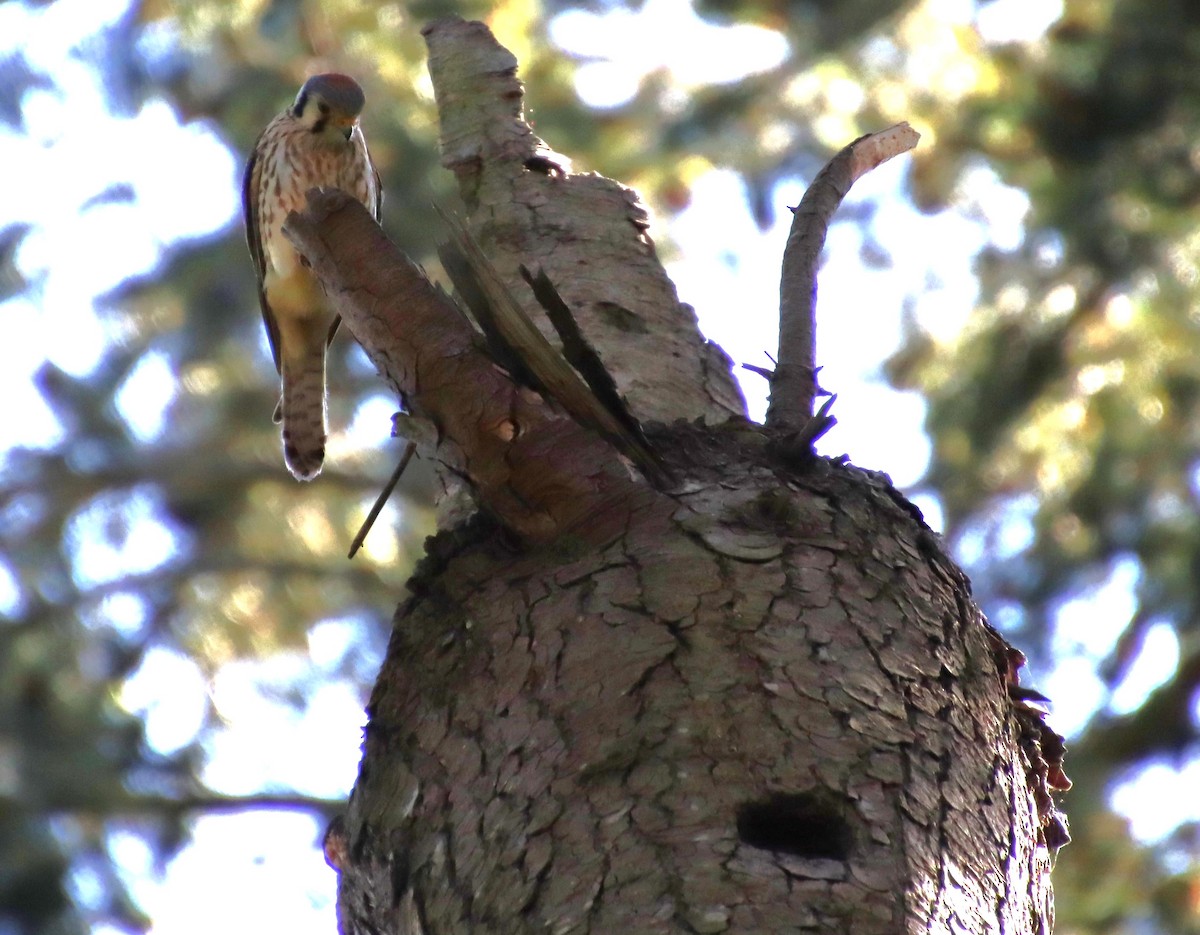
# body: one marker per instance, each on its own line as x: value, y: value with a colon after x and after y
x: 323, y: 107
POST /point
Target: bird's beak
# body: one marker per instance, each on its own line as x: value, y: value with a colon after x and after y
x: 346, y: 125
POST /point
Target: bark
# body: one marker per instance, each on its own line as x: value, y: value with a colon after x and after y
x: 588, y: 234
x: 540, y: 473
x: 753, y: 698
x: 765, y: 706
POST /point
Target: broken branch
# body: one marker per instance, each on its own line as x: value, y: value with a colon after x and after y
x: 377, y: 507
x: 535, y: 469
x: 794, y: 383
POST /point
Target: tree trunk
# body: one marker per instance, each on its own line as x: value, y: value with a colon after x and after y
x: 753, y: 696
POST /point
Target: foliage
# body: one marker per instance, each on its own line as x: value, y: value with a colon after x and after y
x: 1063, y: 413
x: 1069, y: 404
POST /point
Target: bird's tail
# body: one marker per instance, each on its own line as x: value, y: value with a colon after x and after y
x: 303, y: 411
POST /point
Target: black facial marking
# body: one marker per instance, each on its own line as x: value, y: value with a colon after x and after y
x: 320, y: 124
x: 298, y: 107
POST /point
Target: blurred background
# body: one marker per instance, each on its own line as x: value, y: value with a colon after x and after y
x: 1011, y: 318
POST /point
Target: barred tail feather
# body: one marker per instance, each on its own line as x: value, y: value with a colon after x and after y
x: 303, y: 410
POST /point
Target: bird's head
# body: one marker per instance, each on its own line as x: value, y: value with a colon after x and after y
x: 329, y: 103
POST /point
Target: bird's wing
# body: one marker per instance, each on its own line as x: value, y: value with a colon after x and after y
x: 250, y: 183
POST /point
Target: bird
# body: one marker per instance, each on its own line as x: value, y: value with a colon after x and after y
x: 315, y: 143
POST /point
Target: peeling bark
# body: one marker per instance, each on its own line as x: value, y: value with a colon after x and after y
x: 587, y: 233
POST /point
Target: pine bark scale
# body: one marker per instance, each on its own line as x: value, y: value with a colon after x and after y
x: 573, y: 742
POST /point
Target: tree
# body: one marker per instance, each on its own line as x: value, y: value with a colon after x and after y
x: 742, y: 688
x: 1052, y: 342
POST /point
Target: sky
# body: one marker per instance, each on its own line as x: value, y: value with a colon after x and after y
x: 75, y: 150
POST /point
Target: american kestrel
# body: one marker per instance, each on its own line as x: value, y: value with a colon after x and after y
x: 315, y: 143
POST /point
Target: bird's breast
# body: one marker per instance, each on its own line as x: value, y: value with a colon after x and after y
x: 293, y: 164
